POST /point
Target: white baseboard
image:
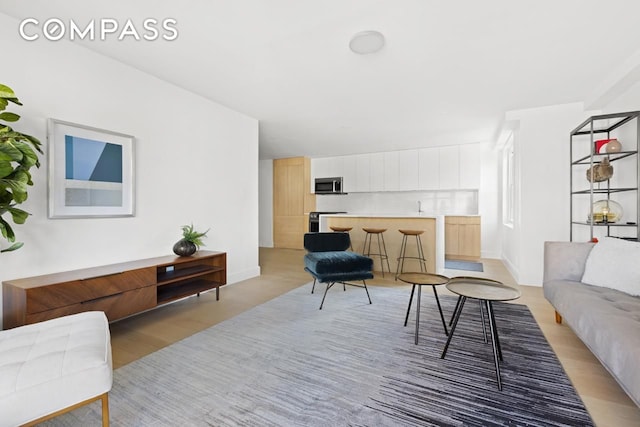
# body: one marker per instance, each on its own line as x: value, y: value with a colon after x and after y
x: 243, y: 275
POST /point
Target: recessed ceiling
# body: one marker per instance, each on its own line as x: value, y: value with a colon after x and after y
x: 446, y: 75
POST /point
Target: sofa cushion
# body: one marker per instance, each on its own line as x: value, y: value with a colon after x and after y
x: 338, y: 265
x: 614, y: 263
x: 608, y: 322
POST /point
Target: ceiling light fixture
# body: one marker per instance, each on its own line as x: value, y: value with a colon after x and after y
x: 366, y: 42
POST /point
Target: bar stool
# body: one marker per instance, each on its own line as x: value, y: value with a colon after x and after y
x: 382, y: 248
x: 403, y: 251
x: 343, y: 230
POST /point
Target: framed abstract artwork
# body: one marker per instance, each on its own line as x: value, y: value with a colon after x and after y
x: 91, y: 171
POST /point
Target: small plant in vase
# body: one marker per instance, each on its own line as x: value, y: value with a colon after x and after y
x: 190, y: 242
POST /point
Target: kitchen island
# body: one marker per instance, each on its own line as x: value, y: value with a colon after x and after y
x: 432, y: 238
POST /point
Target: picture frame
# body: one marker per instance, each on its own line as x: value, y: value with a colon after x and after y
x: 91, y: 171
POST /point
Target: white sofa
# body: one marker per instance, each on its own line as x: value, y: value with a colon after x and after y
x: 52, y: 367
x: 607, y: 320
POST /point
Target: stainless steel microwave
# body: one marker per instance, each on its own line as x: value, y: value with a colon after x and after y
x: 329, y: 185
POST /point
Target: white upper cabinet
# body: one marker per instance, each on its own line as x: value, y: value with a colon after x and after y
x: 319, y: 167
x: 376, y: 171
x: 449, y: 167
x: 470, y: 166
x: 363, y: 172
x: 434, y: 168
x: 349, y: 182
x: 391, y: 171
x: 429, y: 168
x: 409, y: 170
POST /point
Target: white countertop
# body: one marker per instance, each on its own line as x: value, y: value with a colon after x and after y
x: 398, y: 215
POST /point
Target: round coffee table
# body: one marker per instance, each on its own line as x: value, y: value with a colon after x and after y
x: 420, y: 280
x: 486, y: 291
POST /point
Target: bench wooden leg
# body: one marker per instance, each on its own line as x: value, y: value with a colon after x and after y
x: 558, y: 318
x: 105, y: 411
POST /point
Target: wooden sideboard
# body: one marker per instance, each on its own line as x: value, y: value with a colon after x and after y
x: 119, y: 290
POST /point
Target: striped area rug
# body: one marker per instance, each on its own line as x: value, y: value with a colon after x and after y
x: 286, y: 363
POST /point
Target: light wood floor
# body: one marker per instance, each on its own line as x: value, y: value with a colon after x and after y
x: 282, y: 270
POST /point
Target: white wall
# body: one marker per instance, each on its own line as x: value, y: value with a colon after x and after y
x: 542, y: 159
x: 489, y: 202
x: 266, y: 203
x: 196, y: 162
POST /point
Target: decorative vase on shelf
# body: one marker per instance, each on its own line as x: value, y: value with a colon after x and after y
x: 606, y: 211
x: 600, y: 171
x: 613, y: 146
x: 184, y: 247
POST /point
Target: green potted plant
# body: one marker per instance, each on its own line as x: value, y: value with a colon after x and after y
x: 17, y: 156
x: 190, y: 242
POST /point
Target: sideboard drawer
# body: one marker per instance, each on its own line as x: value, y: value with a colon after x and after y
x: 114, y: 306
x: 62, y: 294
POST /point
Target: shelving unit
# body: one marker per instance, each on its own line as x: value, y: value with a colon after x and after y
x: 624, y: 183
x: 188, y: 277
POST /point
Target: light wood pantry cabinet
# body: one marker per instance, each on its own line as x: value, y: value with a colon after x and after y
x: 292, y: 201
x: 119, y: 290
x: 462, y: 237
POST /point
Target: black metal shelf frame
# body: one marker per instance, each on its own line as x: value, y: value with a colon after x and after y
x: 594, y: 125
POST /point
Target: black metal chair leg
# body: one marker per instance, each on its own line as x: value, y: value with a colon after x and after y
x: 367, y: 290
x: 406, y: 318
x: 494, y: 343
x: 314, y: 284
x: 453, y: 327
x: 325, y: 293
x: 444, y: 322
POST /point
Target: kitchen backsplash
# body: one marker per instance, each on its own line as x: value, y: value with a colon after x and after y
x: 441, y: 202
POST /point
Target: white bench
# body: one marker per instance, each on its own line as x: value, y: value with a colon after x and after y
x: 53, y: 367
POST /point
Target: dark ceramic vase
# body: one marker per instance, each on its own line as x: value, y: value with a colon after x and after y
x: 184, y: 248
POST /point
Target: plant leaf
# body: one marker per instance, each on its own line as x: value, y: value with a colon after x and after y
x: 8, y: 147
x: 16, y: 245
x: 6, y: 92
x: 34, y: 141
x: 6, y: 168
x: 7, y: 231
x: 30, y: 158
x: 18, y: 189
x: 9, y: 117
x: 19, y: 216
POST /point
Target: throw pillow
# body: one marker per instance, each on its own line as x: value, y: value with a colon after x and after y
x: 614, y: 263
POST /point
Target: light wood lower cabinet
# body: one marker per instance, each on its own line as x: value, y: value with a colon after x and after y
x: 119, y: 290
x: 462, y: 237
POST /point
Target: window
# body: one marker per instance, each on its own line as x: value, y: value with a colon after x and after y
x: 508, y: 182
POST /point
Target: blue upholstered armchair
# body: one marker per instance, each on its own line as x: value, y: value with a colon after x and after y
x: 328, y: 261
